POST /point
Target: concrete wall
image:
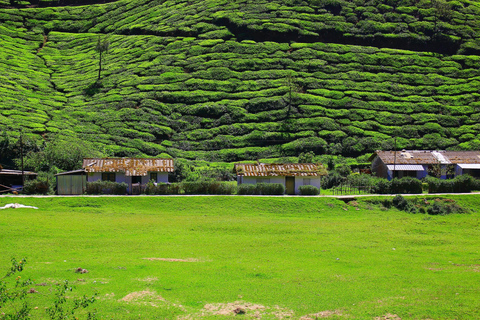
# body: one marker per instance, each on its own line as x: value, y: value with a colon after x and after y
x: 300, y: 181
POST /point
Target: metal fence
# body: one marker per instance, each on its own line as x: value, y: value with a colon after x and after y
x: 346, y: 188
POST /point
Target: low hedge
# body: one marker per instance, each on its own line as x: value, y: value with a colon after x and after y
x: 208, y: 187
x: 106, y: 187
x: 261, y: 189
x: 459, y: 184
x: 407, y: 185
x: 309, y: 190
x: 162, y: 188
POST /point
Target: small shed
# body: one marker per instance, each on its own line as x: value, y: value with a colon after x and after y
x: 291, y: 175
x: 11, y: 180
x: 71, y: 182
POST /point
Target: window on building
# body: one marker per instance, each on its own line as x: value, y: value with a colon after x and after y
x: 307, y: 181
x: 108, y: 176
x: 263, y: 180
x: 136, y: 179
x: 153, y: 176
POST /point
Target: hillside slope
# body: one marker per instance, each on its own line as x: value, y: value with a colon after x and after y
x: 234, y: 80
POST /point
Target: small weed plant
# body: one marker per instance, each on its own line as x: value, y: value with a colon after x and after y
x: 14, y: 301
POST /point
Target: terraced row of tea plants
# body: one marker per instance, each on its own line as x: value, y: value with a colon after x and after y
x: 178, y: 79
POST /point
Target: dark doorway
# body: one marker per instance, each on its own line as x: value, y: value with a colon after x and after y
x: 290, y: 185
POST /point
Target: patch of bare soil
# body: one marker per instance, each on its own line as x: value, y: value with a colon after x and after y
x: 172, y: 260
x: 322, y: 314
x: 143, y: 297
x: 148, y: 279
x: 388, y: 316
x: 240, y: 308
x: 147, y: 298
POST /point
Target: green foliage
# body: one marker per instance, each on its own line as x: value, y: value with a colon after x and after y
x: 459, y: 184
x: 309, y: 190
x: 208, y: 187
x: 261, y: 189
x: 13, y: 293
x: 15, y: 301
x: 65, y: 307
x: 162, y: 188
x: 106, y: 187
x: 43, y: 184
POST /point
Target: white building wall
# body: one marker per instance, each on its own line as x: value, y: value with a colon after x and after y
x: 253, y: 180
x: 300, y: 181
x: 94, y: 176
x: 162, y: 177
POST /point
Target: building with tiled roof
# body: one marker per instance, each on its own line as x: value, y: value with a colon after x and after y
x: 291, y: 175
x: 420, y: 163
x: 132, y: 171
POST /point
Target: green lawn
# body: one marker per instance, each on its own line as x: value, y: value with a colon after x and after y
x: 272, y: 256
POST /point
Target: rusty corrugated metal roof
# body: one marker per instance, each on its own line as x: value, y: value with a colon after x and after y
x: 274, y: 169
x: 131, y: 166
x: 428, y: 157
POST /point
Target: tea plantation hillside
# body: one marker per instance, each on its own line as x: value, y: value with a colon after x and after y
x: 234, y: 80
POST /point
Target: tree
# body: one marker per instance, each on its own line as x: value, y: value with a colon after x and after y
x: 293, y: 90
x: 101, y: 47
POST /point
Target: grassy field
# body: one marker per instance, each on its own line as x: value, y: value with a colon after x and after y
x: 275, y: 257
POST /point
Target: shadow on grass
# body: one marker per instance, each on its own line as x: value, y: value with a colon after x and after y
x: 93, y: 89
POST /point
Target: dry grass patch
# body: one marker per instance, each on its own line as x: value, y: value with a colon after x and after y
x: 245, y: 309
x: 388, y: 316
x: 322, y: 314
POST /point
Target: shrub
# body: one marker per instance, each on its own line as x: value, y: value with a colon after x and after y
x: 459, y: 184
x: 43, y: 184
x: 162, y: 188
x: 36, y: 186
x: 271, y: 188
x: 443, y: 207
x: 247, y: 189
x: 207, y: 187
x: 406, y: 185
x: 332, y: 180
x: 309, y: 190
x: 261, y: 189
x: 401, y: 203
x: 106, y: 187
x: 383, y: 186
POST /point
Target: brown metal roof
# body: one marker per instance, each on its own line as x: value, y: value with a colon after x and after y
x: 428, y: 157
x: 131, y: 166
x: 458, y: 157
x: 289, y: 169
x: 16, y: 172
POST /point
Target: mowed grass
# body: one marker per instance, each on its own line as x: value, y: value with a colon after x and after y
x: 293, y: 256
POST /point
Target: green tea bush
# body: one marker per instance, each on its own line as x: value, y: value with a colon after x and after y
x: 106, y: 187
x: 309, y: 190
